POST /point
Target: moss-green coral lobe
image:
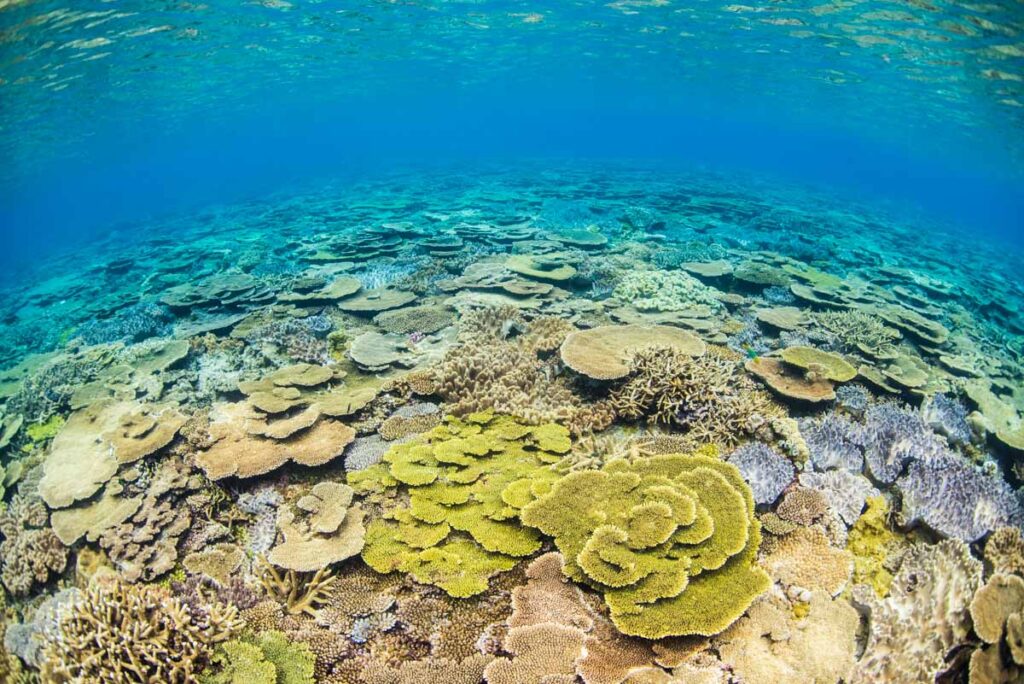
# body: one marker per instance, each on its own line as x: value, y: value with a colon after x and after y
x: 669, y: 540
x: 465, y: 481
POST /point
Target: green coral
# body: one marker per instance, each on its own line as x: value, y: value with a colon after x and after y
x: 871, y: 541
x: 42, y: 432
x: 670, y: 541
x: 268, y: 658
x: 466, y: 481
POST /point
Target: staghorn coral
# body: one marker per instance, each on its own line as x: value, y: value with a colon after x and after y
x: 124, y: 633
x: 488, y: 372
x: 465, y: 481
x: 707, y: 396
x: 924, y: 617
x: 30, y: 552
x: 856, y: 330
x: 669, y: 540
x: 767, y: 471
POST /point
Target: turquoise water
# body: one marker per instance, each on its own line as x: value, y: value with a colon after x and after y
x: 511, y: 342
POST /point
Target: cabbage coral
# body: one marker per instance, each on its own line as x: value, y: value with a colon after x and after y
x: 669, y: 540
x: 465, y: 481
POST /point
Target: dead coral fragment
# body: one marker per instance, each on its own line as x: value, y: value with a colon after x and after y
x: 606, y: 353
x: 330, y: 531
x: 669, y: 540
x: 135, y: 634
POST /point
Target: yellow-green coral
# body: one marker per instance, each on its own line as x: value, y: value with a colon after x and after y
x: 670, y: 541
x: 268, y: 658
x: 870, y: 541
x: 42, y: 432
x: 465, y: 480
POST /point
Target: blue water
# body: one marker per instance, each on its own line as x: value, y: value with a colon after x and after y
x: 119, y: 111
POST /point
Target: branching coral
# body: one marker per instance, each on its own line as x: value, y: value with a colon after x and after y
x: 30, y: 551
x: 707, y: 396
x: 669, y: 540
x: 664, y: 291
x: 492, y: 370
x: 299, y: 592
x: 135, y: 634
x: 465, y: 481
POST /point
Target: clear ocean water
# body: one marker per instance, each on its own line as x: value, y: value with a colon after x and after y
x: 508, y: 342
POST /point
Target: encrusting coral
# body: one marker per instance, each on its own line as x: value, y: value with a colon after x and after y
x: 669, y: 540
x: 465, y: 480
x: 135, y: 634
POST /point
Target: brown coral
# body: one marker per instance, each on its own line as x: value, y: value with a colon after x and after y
x: 135, y: 634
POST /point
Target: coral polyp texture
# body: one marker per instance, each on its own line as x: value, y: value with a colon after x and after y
x: 558, y: 426
x: 669, y: 541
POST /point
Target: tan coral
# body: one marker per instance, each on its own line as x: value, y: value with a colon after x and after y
x: 606, y: 352
x: 538, y: 652
x: 770, y: 645
x: 235, y: 452
x: 804, y: 558
x: 331, y: 531
x: 789, y: 381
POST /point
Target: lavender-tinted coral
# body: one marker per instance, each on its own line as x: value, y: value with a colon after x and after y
x: 834, y: 442
x: 766, y: 470
x: 957, y: 499
x: 893, y: 436
x: 947, y: 416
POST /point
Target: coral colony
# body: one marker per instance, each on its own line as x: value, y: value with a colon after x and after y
x: 434, y: 432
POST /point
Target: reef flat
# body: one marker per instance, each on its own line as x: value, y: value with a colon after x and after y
x: 584, y: 424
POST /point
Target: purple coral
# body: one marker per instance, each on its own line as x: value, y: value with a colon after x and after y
x: 957, y: 499
x: 835, y: 442
x: 894, y: 436
x: 767, y: 471
x: 947, y: 416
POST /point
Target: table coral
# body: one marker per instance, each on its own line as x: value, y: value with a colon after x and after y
x: 324, y: 527
x: 465, y: 480
x: 669, y: 540
x: 608, y: 352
